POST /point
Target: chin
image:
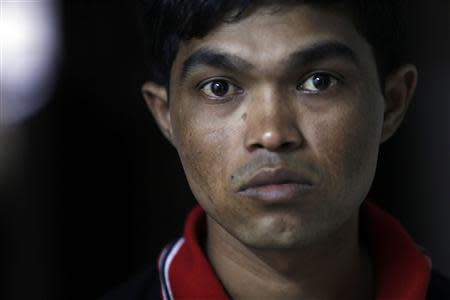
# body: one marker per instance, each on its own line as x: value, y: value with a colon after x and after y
x: 277, y: 234
x: 269, y: 241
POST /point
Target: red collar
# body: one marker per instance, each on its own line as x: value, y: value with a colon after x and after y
x: 401, y: 270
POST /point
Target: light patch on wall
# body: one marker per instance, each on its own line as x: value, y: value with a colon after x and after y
x: 29, y: 47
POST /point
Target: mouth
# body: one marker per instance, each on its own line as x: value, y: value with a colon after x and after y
x: 275, y: 184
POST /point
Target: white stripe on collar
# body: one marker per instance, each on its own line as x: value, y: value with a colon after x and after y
x: 167, y: 258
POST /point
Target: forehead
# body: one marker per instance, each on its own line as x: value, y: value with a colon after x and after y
x: 269, y: 35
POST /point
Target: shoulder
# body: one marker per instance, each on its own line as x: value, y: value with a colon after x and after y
x: 439, y: 287
x: 142, y: 287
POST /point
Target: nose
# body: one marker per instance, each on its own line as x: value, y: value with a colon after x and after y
x: 271, y: 124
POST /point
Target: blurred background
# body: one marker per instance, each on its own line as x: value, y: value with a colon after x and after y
x: 89, y: 189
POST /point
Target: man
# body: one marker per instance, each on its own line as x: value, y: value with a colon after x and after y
x: 277, y: 110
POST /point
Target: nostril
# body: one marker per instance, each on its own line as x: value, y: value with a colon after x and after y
x: 258, y: 146
x: 280, y: 147
x: 287, y: 146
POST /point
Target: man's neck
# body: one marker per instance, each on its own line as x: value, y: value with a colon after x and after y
x: 339, y: 268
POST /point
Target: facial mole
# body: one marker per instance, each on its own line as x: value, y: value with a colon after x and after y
x: 244, y: 116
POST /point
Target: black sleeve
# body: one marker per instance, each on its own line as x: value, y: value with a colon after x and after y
x: 439, y: 288
x: 145, y: 286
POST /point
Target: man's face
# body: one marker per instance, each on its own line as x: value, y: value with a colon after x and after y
x: 277, y: 119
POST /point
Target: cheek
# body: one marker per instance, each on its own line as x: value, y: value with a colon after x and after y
x: 347, y: 143
x: 202, y: 145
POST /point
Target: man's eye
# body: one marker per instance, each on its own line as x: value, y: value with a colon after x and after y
x: 220, y: 88
x: 317, y: 82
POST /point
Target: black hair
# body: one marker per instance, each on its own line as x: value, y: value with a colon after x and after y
x: 168, y: 22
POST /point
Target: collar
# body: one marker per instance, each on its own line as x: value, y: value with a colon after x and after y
x: 401, y: 270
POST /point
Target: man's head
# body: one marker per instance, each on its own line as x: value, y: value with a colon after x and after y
x: 277, y: 111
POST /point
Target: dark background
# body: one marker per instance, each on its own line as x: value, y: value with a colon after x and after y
x: 95, y: 191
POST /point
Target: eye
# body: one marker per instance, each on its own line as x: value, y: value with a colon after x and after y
x: 220, y: 88
x: 317, y: 82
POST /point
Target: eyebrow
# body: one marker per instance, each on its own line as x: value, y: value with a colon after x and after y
x: 214, y: 58
x: 321, y: 51
x: 311, y: 54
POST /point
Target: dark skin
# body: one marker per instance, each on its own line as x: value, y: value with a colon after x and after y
x: 291, y: 96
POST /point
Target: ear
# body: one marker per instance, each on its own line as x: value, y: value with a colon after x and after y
x: 398, y: 90
x: 157, y: 101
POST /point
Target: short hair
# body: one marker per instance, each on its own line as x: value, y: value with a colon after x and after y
x: 166, y: 23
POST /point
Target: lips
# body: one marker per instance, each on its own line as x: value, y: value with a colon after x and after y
x: 275, y: 184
